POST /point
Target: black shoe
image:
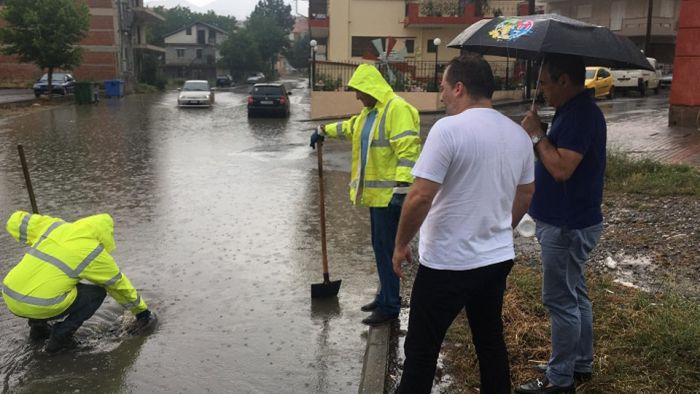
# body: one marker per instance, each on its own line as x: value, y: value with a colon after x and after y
x: 39, y: 332
x: 144, y: 325
x: 58, y: 343
x: 377, y: 318
x: 369, y: 307
x: 542, y: 386
x: 579, y: 377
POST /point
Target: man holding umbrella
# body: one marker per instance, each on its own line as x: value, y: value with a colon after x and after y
x: 567, y: 208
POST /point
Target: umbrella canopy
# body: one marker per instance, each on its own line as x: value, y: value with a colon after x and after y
x: 533, y: 36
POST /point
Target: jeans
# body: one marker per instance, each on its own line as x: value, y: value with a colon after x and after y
x: 385, y: 223
x: 86, y: 303
x: 564, y: 294
x: 436, y: 299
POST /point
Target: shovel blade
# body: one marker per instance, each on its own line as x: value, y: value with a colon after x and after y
x: 325, y: 289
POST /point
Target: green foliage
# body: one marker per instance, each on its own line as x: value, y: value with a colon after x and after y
x: 150, y: 72
x: 240, y: 54
x: 280, y: 13
x: 327, y: 83
x: 45, y: 32
x: 298, y: 54
x: 179, y: 17
x: 271, y: 38
x: 646, y: 176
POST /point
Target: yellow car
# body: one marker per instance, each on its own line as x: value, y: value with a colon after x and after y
x: 599, y: 82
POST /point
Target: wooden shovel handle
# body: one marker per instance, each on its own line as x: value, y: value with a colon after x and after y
x: 322, y: 209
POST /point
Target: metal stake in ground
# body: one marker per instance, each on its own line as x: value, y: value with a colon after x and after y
x: 25, y: 169
x: 326, y: 288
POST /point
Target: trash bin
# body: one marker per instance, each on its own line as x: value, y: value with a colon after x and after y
x: 84, y: 93
x: 114, y: 88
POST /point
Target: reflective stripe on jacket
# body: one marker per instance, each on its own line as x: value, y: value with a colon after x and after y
x: 43, y: 284
x: 394, y: 144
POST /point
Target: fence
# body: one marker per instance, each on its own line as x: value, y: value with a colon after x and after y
x: 410, y: 75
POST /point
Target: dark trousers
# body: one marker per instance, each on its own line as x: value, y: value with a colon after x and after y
x: 385, y: 223
x: 436, y: 299
x: 86, y: 303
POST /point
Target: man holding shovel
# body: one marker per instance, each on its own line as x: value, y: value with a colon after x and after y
x: 385, y: 146
x: 45, y: 284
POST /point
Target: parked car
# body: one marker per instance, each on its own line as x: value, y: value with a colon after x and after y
x: 256, y: 78
x: 638, y: 80
x: 599, y: 82
x: 665, y: 81
x: 62, y: 83
x: 195, y: 93
x: 268, y: 98
x: 224, y: 81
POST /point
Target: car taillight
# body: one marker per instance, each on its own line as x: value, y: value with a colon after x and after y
x: 250, y: 100
x: 283, y: 100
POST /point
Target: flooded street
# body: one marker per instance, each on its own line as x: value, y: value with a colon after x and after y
x: 216, y: 223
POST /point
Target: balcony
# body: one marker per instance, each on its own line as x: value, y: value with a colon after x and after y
x: 635, y: 27
x: 143, y: 15
x: 440, y: 13
x: 318, y: 25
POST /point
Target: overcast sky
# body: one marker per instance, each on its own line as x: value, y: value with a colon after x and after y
x: 238, y: 8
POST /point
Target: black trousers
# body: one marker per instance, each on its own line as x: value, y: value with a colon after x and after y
x: 436, y: 299
x: 86, y: 303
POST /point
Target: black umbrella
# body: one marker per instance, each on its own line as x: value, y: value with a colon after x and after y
x: 531, y: 37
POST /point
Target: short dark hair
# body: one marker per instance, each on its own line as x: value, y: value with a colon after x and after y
x: 571, y: 65
x: 474, y: 72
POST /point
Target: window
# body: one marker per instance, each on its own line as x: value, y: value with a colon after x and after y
x: 410, y: 46
x: 212, y: 36
x: 617, y: 10
x: 584, y: 11
x: 603, y: 74
x: 180, y: 52
x: 431, y: 46
x: 199, y: 53
x: 667, y: 8
x: 188, y: 31
x: 362, y: 46
x: 201, y: 37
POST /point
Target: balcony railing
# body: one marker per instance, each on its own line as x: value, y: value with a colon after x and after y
x: 436, y: 13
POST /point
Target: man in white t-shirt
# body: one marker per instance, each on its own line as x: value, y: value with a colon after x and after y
x: 474, y: 182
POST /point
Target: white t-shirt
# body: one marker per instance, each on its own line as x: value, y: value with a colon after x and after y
x: 479, y: 157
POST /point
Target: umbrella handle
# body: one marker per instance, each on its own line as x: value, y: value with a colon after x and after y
x: 537, y: 87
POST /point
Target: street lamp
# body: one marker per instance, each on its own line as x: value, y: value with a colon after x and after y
x: 436, y: 43
x: 312, y: 70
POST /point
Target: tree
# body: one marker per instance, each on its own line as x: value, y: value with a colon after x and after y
x: 240, y: 54
x: 45, y: 32
x: 280, y: 13
x: 270, y: 37
x: 298, y: 54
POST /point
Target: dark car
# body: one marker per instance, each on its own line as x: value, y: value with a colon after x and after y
x: 63, y: 83
x: 224, y: 81
x: 268, y: 98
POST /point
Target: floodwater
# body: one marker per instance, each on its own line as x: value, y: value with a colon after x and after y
x: 216, y: 223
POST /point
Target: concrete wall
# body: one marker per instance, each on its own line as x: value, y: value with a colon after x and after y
x: 685, y: 90
x: 335, y: 105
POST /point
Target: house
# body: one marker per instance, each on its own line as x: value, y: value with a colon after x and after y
x: 345, y: 29
x: 115, y: 47
x: 192, y: 52
x: 628, y: 18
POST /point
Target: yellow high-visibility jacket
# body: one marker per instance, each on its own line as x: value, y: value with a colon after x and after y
x: 394, y: 140
x: 43, y: 284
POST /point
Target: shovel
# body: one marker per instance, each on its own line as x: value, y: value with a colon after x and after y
x: 27, y: 180
x: 326, y: 288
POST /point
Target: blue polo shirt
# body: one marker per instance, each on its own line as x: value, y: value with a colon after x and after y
x: 578, y: 125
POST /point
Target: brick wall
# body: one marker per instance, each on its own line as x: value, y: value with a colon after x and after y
x: 685, y: 90
x: 97, y: 65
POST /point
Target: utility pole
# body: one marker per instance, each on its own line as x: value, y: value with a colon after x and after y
x: 647, y: 40
x: 528, y: 69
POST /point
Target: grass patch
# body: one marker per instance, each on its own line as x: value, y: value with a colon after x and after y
x: 646, y: 176
x: 644, y: 343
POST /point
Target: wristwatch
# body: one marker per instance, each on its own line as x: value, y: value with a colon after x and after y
x: 536, y: 139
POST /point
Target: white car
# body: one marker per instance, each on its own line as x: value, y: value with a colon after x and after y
x: 638, y: 80
x: 195, y: 93
x: 256, y: 78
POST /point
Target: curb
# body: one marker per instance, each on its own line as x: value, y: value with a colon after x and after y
x: 375, y: 362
